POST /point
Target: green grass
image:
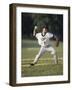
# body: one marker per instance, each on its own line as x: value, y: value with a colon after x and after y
x: 44, y: 70
x: 29, y: 50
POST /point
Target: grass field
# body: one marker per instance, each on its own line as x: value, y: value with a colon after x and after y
x: 44, y: 67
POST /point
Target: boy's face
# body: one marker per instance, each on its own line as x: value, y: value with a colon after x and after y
x: 44, y: 31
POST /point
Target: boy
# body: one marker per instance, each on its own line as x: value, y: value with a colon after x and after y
x: 44, y: 41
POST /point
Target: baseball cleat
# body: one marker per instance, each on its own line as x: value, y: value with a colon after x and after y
x: 32, y: 64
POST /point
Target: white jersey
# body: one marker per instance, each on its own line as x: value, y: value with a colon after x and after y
x: 44, y: 40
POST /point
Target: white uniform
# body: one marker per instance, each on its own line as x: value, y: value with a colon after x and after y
x: 44, y: 42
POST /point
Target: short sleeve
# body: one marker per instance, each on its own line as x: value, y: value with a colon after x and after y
x: 50, y: 35
x: 37, y: 35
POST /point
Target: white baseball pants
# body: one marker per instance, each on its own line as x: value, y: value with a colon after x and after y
x: 44, y: 49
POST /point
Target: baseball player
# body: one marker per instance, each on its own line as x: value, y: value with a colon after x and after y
x: 44, y: 41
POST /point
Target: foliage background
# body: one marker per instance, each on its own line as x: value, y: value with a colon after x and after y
x: 54, y: 22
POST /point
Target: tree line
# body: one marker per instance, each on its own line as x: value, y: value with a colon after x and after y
x: 53, y: 21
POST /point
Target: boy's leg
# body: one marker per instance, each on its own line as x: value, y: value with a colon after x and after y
x: 53, y: 53
x: 55, y: 60
x: 41, y: 52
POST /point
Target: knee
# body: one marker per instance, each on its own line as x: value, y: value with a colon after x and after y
x: 53, y: 52
x: 38, y: 55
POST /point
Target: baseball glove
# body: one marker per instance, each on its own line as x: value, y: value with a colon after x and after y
x: 57, y: 42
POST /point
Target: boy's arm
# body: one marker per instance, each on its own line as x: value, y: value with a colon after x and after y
x: 57, y: 40
x: 35, y: 31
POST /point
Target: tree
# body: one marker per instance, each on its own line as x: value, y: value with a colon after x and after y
x: 53, y: 21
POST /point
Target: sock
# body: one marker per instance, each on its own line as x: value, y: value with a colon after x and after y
x: 55, y: 58
x: 36, y: 59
